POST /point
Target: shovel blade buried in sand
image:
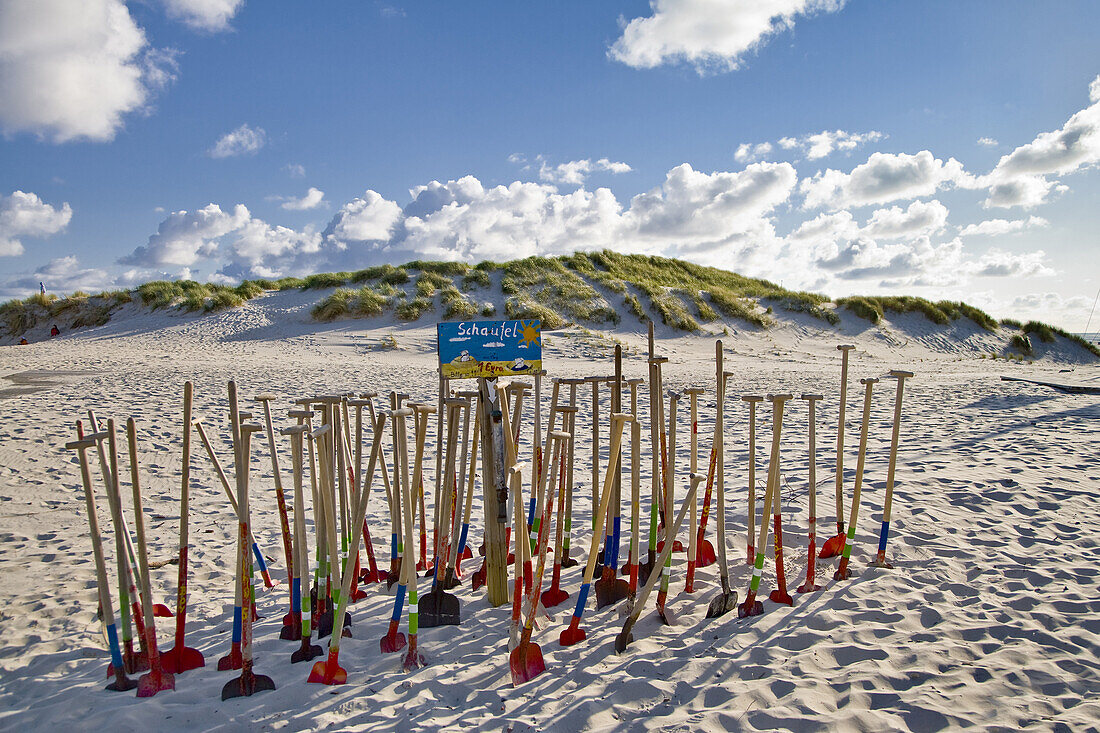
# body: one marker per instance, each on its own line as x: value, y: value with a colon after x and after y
x: 247, y: 685
x: 151, y: 683
x: 704, y: 554
x: 609, y: 589
x: 328, y: 672
x: 291, y: 631
x: 722, y: 604
x: 232, y: 660
x: 553, y: 596
x: 526, y: 663
x: 414, y: 660
x: 439, y: 609
x: 623, y: 639
x: 306, y: 652
x: 162, y: 611
x: 122, y: 683
x: 832, y: 547
x: 392, y: 643
x: 181, y: 659
x: 324, y: 624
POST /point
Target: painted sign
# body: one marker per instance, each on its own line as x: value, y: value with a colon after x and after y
x: 470, y: 349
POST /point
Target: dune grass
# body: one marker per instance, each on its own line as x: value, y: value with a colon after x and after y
x: 873, y: 308
x: 574, y: 289
x: 1022, y: 344
x: 412, y: 310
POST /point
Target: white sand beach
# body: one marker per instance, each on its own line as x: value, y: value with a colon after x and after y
x: 990, y: 618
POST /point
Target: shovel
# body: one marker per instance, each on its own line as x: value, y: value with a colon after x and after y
x: 525, y: 661
x: 625, y: 636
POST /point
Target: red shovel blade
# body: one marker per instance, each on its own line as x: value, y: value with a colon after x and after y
x: 478, y: 578
x: 832, y: 547
x: 413, y: 660
x: 373, y: 576
x: 232, y: 660
x: 153, y: 682
x: 181, y: 659
x: 160, y: 611
x: 572, y: 635
x: 677, y: 546
x: 781, y: 596
x: 526, y: 662
x: 328, y: 672
x: 466, y: 554
x: 391, y: 643
x: 553, y: 597
x: 704, y: 554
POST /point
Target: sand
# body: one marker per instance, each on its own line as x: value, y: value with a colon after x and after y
x: 990, y: 617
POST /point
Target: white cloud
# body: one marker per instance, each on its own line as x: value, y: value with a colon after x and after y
x: 26, y: 215
x: 187, y: 236
x: 988, y: 142
x: 311, y: 200
x: 696, y: 211
x: 919, y: 219
x: 244, y: 140
x: 73, y: 69
x: 826, y: 228
x: 206, y: 15
x: 59, y: 275
x: 258, y: 245
x: 999, y: 227
x: 576, y: 171
x: 747, y: 153
x: 709, y: 34
x: 884, y: 177
x: 1049, y: 307
x: 370, y: 217
x: 295, y: 170
x: 1019, y: 179
x: 464, y: 220
x: 1024, y: 191
x: 822, y: 144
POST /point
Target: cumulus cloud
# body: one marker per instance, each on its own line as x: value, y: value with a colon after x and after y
x: 722, y: 218
x: 1000, y: 227
x: 59, y: 275
x: 25, y: 215
x: 576, y: 171
x: 1019, y: 178
x: 244, y: 140
x: 988, y: 142
x: 257, y: 245
x: 747, y: 153
x: 883, y: 178
x: 73, y: 69
x: 206, y: 15
x: 695, y: 211
x: 464, y: 220
x: 185, y: 237
x: 824, y: 143
x: 1023, y: 191
x: 312, y: 199
x: 709, y: 34
x: 919, y: 219
x: 1048, y: 307
x: 367, y: 218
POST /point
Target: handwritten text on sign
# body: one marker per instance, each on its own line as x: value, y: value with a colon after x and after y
x: 470, y: 349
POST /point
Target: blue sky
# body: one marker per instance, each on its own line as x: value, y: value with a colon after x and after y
x: 934, y: 148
